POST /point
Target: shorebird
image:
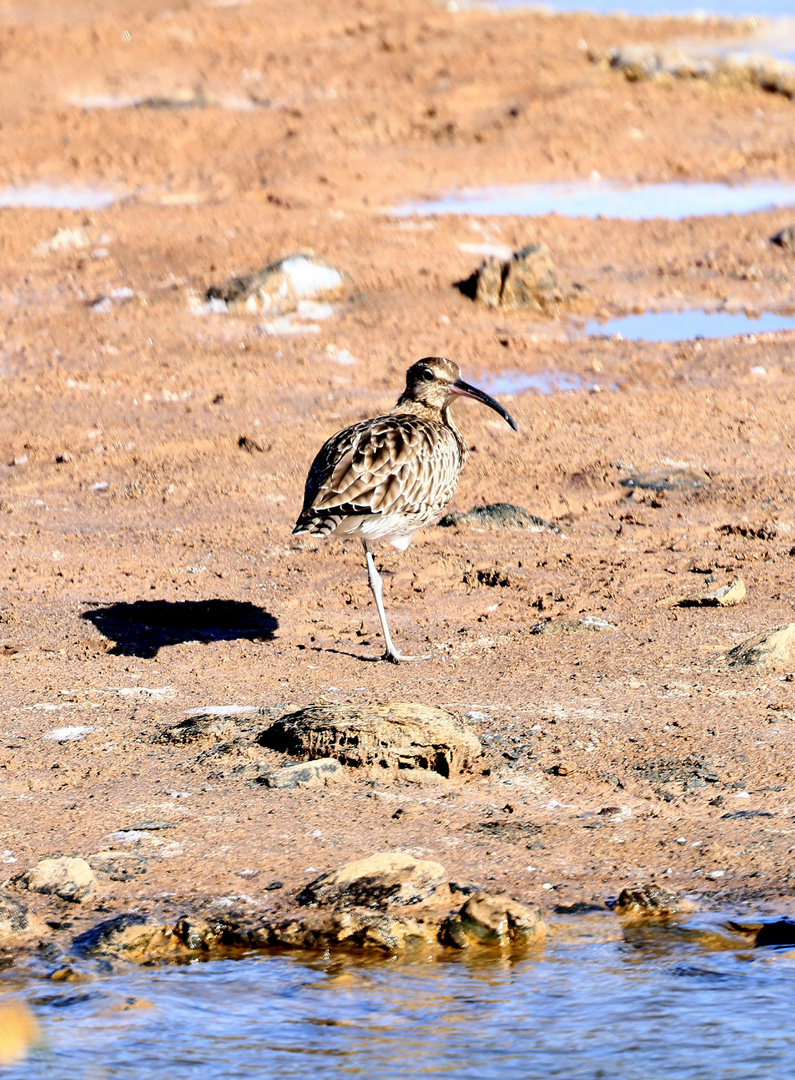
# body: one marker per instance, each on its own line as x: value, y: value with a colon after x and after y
x: 385, y: 477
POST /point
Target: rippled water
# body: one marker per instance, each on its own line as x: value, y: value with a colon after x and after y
x: 642, y: 1006
x: 604, y: 198
x: 737, y: 8
x: 685, y: 325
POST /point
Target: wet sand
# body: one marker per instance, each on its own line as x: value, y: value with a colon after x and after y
x: 124, y: 408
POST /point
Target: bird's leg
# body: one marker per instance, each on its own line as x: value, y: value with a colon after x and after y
x: 377, y: 585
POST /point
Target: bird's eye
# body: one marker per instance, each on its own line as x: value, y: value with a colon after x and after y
x: 426, y: 374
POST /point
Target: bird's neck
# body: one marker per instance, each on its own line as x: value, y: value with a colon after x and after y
x: 435, y: 416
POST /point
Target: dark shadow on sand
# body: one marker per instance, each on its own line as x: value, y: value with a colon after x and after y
x: 145, y: 626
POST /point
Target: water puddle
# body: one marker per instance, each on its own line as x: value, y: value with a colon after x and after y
x: 739, y: 9
x: 181, y: 99
x: 604, y: 198
x: 630, y: 1004
x: 542, y: 382
x: 688, y: 325
x: 62, y: 197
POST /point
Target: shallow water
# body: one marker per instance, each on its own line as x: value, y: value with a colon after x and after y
x: 604, y: 198
x: 686, y: 325
x: 647, y: 1005
x: 62, y: 197
x: 736, y: 8
x: 543, y: 382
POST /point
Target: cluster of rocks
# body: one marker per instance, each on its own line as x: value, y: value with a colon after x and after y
x: 378, y: 740
x: 527, y: 280
x: 280, y: 287
x: 738, y: 69
x: 388, y: 903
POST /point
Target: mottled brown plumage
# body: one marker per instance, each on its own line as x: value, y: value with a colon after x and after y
x: 383, y: 478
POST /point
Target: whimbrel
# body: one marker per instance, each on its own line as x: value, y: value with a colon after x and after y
x: 385, y: 477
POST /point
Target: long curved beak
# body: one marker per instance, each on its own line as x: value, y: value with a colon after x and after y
x: 465, y: 390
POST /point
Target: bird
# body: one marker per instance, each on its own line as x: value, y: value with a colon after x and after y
x: 385, y: 477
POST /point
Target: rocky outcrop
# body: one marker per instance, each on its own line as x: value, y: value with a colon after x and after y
x: 69, y: 879
x: 307, y: 775
x: 738, y: 69
x: 651, y: 902
x: 527, y: 280
x: 725, y: 596
x: 774, y: 649
x: 399, y: 736
x: 378, y: 881
x: 493, y: 920
x: 280, y: 286
x: 362, y: 905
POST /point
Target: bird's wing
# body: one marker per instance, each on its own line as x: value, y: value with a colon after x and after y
x: 371, y: 468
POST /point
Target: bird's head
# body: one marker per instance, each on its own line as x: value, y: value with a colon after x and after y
x: 436, y: 381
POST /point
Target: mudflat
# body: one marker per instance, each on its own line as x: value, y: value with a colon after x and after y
x: 154, y: 445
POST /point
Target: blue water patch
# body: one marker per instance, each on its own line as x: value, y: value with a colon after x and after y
x: 624, y: 1006
x: 543, y: 382
x: 604, y: 198
x: 687, y: 325
x: 54, y: 197
x: 764, y: 9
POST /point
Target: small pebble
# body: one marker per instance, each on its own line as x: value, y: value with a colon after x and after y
x: 715, y: 874
x: 681, y: 840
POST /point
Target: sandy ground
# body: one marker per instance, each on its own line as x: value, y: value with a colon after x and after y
x: 620, y: 752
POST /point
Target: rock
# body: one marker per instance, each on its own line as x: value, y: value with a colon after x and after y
x: 119, y: 865
x: 770, y: 649
x: 402, y: 736
x: 252, y: 445
x: 378, y: 881
x: 726, y: 596
x: 651, y: 901
x: 499, y: 516
x: 309, y: 774
x: 571, y: 626
x: 780, y: 932
x: 133, y: 937
x: 279, y: 287
x: 668, y: 480
x: 13, y: 916
x: 526, y: 280
x: 735, y: 69
x: 785, y: 238
x: 494, y: 920
x: 70, y: 879
x: 198, y: 728
x: 355, y: 929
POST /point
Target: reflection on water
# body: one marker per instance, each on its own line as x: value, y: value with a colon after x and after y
x: 649, y: 1005
x: 685, y: 325
x: 737, y: 8
x: 604, y: 198
x: 52, y: 197
x: 543, y: 382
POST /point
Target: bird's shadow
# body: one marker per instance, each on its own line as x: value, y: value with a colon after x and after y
x: 142, y: 628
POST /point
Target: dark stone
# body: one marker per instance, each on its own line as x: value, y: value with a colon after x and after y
x: 746, y: 814
x: 499, y: 516
x: 780, y: 932
x: 785, y: 238
x: 102, y: 934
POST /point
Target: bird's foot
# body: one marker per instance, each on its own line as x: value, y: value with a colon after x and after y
x: 398, y: 658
